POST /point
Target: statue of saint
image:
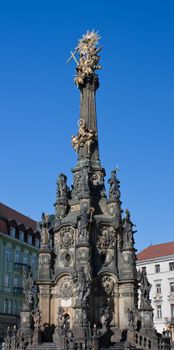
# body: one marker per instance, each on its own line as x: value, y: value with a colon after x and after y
x: 83, y: 283
x: 114, y: 191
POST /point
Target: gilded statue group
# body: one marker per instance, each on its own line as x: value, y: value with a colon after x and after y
x: 84, y: 137
x: 89, y: 58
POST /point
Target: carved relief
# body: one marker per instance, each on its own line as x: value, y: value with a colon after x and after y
x: 106, y: 239
x: 66, y: 237
x: 108, y: 285
x: 66, y: 287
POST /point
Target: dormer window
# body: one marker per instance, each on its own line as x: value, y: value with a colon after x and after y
x: 37, y: 242
x: 12, y: 232
x: 29, y: 239
x: 21, y: 236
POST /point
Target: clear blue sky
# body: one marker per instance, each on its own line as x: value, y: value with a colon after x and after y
x: 39, y: 104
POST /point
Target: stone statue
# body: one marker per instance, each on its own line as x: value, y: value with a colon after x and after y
x: 114, y: 192
x: 145, y: 288
x: 45, y: 225
x: 29, y: 289
x: 85, y: 219
x: 108, y: 285
x: 83, y: 285
x: 88, y: 57
x: 62, y: 188
x: 130, y: 318
x: 60, y: 317
x: 104, y: 318
x: 36, y: 317
x: 128, y: 232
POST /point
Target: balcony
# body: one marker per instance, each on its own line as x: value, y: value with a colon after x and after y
x: 17, y: 290
x: 158, y: 297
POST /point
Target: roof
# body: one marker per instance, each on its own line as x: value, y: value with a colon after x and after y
x: 155, y: 251
x: 8, y: 214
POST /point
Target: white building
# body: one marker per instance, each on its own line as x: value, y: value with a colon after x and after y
x: 158, y: 261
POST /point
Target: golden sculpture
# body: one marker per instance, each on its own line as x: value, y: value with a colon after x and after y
x: 89, y: 58
x: 84, y: 137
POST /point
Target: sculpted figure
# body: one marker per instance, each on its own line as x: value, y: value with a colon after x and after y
x: 44, y: 225
x: 60, y: 317
x: 145, y: 287
x: 62, y: 188
x: 108, y: 285
x: 128, y: 232
x: 85, y: 220
x: 36, y: 317
x: 84, y: 137
x: 88, y: 57
x: 83, y: 285
x: 114, y: 191
x: 104, y: 318
x: 29, y: 289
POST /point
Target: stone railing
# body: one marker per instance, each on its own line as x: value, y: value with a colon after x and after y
x: 142, y: 341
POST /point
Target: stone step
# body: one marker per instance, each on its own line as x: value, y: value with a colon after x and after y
x: 45, y: 346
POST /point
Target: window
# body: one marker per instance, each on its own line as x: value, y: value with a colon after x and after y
x: 15, y: 307
x: 26, y: 258
x: 21, y: 236
x: 172, y: 310
x: 158, y: 288
x: 10, y: 306
x: 17, y: 256
x: 33, y: 262
x: 29, y: 239
x: 8, y: 254
x: 159, y: 311
x: 16, y: 281
x: 171, y: 266
x: 157, y: 268
x: 143, y: 269
x: 5, y: 306
x: 12, y: 231
x: 7, y: 279
x: 172, y: 287
x: 37, y: 242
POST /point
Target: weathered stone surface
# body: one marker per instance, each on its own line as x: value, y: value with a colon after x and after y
x: 88, y: 286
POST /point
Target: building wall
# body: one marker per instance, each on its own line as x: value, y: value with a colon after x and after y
x: 162, y: 292
x: 16, y: 257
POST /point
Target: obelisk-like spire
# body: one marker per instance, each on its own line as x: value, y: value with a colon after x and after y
x: 86, y: 79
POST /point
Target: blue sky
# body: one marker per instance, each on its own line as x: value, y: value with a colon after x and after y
x: 39, y: 104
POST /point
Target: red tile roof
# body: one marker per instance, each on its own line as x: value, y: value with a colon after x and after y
x: 11, y: 214
x: 155, y: 251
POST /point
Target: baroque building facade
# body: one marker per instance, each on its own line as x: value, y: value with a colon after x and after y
x: 158, y: 261
x: 86, y: 295
x: 19, y: 246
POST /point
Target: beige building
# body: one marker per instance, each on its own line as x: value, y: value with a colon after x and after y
x: 158, y: 261
x: 19, y: 243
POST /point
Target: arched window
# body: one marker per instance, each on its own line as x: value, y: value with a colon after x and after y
x: 26, y: 258
x: 15, y: 307
x: 17, y: 256
x: 5, y: 306
x: 10, y: 306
